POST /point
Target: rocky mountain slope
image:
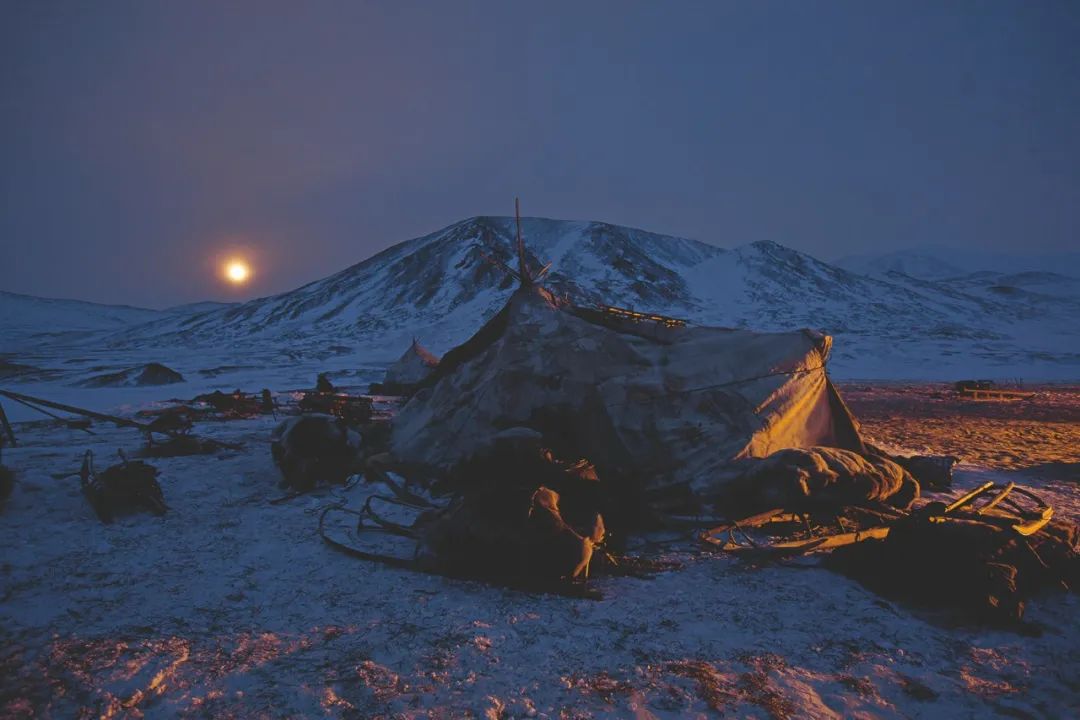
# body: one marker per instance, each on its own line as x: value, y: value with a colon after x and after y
x: 441, y: 288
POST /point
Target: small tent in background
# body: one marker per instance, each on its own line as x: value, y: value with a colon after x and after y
x: 410, y: 370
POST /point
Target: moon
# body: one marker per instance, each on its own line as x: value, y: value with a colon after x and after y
x: 237, y: 272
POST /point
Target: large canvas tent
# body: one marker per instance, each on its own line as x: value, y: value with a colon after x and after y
x: 670, y: 402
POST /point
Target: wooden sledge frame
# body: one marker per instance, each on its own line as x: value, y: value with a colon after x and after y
x: 1022, y: 521
x: 387, y: 525
x: 571, y: 590
x: 34, y: 403
x: 1025, y: 523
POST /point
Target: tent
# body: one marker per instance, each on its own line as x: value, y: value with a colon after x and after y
x: 651, y: 395
x: 411, y: 369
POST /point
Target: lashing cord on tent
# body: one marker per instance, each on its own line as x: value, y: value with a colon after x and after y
x: 731, y: 383
x: 718, y: 386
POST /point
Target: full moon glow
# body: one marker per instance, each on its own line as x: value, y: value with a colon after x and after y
x: 237, y: 272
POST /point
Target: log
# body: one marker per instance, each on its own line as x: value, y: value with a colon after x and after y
x: 115, y: 420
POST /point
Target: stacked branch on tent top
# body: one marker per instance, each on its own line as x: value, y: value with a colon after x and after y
x: 524, y: 276
x: 609, y: 314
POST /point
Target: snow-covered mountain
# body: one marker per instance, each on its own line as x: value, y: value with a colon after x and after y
x: 441, y: 288
x: 444, y: 280
x: 916, y: 263
x: 25, y: 318
x: 939, y: 263
x: 30, y: 321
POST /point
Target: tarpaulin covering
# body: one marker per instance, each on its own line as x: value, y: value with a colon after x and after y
x: 676, y: 404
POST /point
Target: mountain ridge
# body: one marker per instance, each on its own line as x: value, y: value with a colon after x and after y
x: 943, y: 263
x: 441, y: 287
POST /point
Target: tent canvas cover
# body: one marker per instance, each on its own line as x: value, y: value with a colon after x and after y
x: 413, y: 367
x: 673, y: 404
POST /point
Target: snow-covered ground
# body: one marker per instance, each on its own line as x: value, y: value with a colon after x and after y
x: 230, y: 606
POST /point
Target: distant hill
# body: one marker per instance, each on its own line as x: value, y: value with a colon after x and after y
x: 940, y: 263
x: 198, y: 307
x: 28, y: 319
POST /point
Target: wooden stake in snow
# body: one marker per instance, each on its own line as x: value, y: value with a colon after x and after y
x: 6, y: 427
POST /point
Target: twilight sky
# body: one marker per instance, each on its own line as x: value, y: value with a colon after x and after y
x: 142, y: 141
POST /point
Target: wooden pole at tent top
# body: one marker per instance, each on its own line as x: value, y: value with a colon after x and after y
x: 523, y: 270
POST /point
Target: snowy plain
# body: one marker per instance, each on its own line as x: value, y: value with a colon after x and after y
x: 230, y: 606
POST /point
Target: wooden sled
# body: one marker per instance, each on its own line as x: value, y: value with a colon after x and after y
x: 999, y: 508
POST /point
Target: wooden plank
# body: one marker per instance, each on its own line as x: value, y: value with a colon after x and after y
x: 965, y: 499
x: 641, y: 317
x: 1004, y: 493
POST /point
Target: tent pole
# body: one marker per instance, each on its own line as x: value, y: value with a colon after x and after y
x: 523, y: 270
